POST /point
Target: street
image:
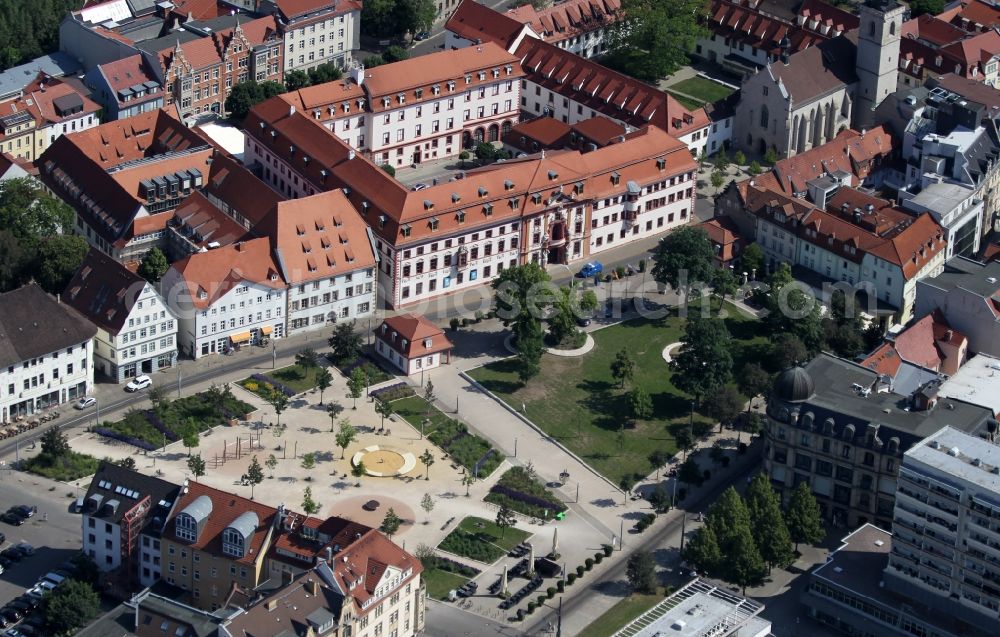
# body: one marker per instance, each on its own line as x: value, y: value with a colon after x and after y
x: 55, y: 540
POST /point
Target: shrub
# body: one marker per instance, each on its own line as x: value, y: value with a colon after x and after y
x: 389, y: 169
x: 540, y: 600
x: 560, y: 586
x: 550, y: 592
x: 598, y: 558
x: 580, y: 571
x: 608, y: 549
x: 465, y: 322
x: 520, y: 614
x: 479, y: 316
x: 588, y: 563
x: 642, y: 265
x: 250, y: 385
x: 570, y: 578
x: 531, y: 607
x: 393, y: 392
x: 455, y: 323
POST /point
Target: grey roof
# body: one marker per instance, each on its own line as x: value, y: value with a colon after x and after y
x: 34, y: 324
x: 962, y: 457
x: 982, y: 279
x: 836, y: 399
x: 128, y: 487
x: 911, y: 377
x: 818, y: 70
x: 200, y: 508
x: 940, y: 198
x: 245, y: 524
x: 794, y: 384
x: 976, y: 382
x: 156, y: 45
x: 200, y: 623
x: 56, y: 64
x: 320, y: 616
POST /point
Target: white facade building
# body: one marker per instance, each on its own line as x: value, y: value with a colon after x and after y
x: 46, y: 349
x: 226, y: 298
x: 318, y: 32
x: 412, y: 344
x: 958, y: 210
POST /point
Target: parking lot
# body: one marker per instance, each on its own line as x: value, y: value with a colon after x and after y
x: 55, y: 539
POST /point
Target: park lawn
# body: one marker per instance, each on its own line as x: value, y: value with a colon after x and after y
x: 702, y: 89
x: 481, y: 540
x: 687, y: 102
x: 440, y: 582
x: 577, y: 401
x: 620, y: 614
x: 297, y: 377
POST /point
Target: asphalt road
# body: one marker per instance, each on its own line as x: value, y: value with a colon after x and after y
x: 55, y: 540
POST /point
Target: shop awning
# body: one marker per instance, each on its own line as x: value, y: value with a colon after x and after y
x: 242, y: 337
x: 266, y: 331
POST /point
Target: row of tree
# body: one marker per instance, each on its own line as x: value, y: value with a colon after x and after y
x: 743, y: 538
x: 396, y: 18
x: 29, y: 28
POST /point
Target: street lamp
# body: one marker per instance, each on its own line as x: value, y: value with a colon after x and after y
x: 274, y: 353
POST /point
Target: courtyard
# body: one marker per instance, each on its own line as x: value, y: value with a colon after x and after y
x: 576, y: 400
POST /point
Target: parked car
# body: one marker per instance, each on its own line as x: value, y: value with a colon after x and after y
x: 11, y: 614
x: 582, y: 321
x: 26, y: 548
x: 417, y: 187
x: 23, y: 510
x: 12, y: 518
x: 86, y: 401
x: 3, y: 538
x: 423, y: 35
x: 5, y: 562
x: 12, y: 553
x: 139, y: 382
x: 591, y: 269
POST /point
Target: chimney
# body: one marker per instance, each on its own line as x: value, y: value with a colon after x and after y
x: 312, y: 587
x: 239, y: 245
x: 948, y: 334
x: 329, y: 554
x: 358, y: 74
x: 291, y: 110
x: 351, y: 155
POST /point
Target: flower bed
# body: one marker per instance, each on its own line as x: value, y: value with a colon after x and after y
x: 116, y: 435
x: 263, y: 385
x: 393, y: 392
x: 524, y: 494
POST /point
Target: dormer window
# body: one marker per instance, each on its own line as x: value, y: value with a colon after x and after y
x: 615, y: 179
x: 381, y: 221
x: 468, y: 79
x: 460, y: 216
x: 455, y: 197
x: 553, y: 175
x: 451, y: 85
x: 488, y: 210
x: 483, y: 191
x: 236, y: 536
x: 508, y: 184
x: 509, y: 69
x: 496, y: 72
x: 578, y: 188
x: 433, y: 223
x: 427, y: 343
x: 385, y: 101
x: 401, y: 97
x: 185, y: 528
x: 418, y: 93
x: 405, y: 230
x: 515, y: 203
x: 482, y: 75
x: 536, y: 197
x: 428, y: 204
x: 661, y: 163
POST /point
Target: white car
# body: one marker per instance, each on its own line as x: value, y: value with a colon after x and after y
x: 139, y: 382
x: 86, y: 401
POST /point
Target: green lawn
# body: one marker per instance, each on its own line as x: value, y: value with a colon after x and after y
x: 620, y: 614
x: 481, y: 540
x: 687, y: 102
x: 297, y: 378
x: 577, y: 401
x: 525, y: 494
x: 702, y: 89
x: 439, y: 582
x: 73, y: 466
x: 451, y: 435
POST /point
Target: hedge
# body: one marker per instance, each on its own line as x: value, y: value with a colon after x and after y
x: 393, y: 392
x: 114, y: 435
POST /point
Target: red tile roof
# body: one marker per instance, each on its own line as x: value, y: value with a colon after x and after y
x: 294, y: 8
x: 605, y: 91
x: 474, y: 21
x: 127, y: 72
x: 318, y: 237
x: 979, y: 14
x: 226, y: 507
x: 209, y: 51
x: 918, y: 343
x: 599, y: 130
x: 408, y: 333
x: 211, y: 274
x: 884, y: 360
x: 238, y: 191
x: 359, y: 568
x: 202, y: 223
x: 547, y: 131
x: 104, y: 291
x: 569, y: 18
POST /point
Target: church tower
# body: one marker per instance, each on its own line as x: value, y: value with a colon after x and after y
x: 877, y: 62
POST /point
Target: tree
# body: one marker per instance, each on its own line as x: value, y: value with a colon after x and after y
x: 467, y: 481
x: 384, y: 410
x: 505, y: 519
x: 310, y: 506
x: 31, y: 214
x: 308, y: 462
x: 356, y: 385
x: 726, y: 404
x: 306, y: 358
x: 683, y: 258
x: 424, y: 14
x: 395, y: 53
x: 14, y: 259
x: 724, y: 282
x: 84, y: 569
x: 740, y: 158
x: 59, y: 257
x: 653, y: 39
x: 562, y: 324
x: 521, y: 294
x: 294, y: 80
x: 153, y: 266
x: 703, y: 364
x: 529, y: 351
x: 279, y: 402
x: 128, y: 462
x: 390, y: 523
x: 689, y: 473
x: 718, y: 178
x: 920, y: 7
x: 588, y: 301
x: 427, y: 504
x: 684, y: 439
x: 788, y: 350
x: 71, y: 605
x: 752, y: 260
x: 640, y: 404
x: 805, y: 524
x: 658, y: 458
x: 641, y: 572
x: 753, y: 380
x: 323, y: 380
x: 345, y: 342
x: 754, y: 168
x: 54, y: 443
x: 345, y: 436
x: 189, y: 435
x: 622, y: 367
x: 792, y: 310
x: 771, y: 157
x: 328, y: 72
x: 744, y: 565
x: 333, y: 410
x: 429, y: 392
x: 196, y: 465
x: 727, y: 515
x: 753, y: 425
x: 358, y: 470
x: 271, y: 463
x: 254, y: 475
x: 427, y: 459
x: 248, y: 94
x: 702, y: 551
x: 770, y: 532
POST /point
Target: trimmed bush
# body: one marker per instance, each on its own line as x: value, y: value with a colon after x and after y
x: 479, y: 316
x: 550, y: 592
x: 560, y: 586
x: 570, y: 578
x: 454, y: 323
x: 541, y: 600
x: 580, y: 571
x: 531, y: 607
x: 598, y: 558
x: 588, y: 563
x: 466, y: 322
x: 520, y: 614
x: 393, y: 392
x: 608, y: 549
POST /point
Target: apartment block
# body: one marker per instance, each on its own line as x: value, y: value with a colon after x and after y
x: 317, y: 31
